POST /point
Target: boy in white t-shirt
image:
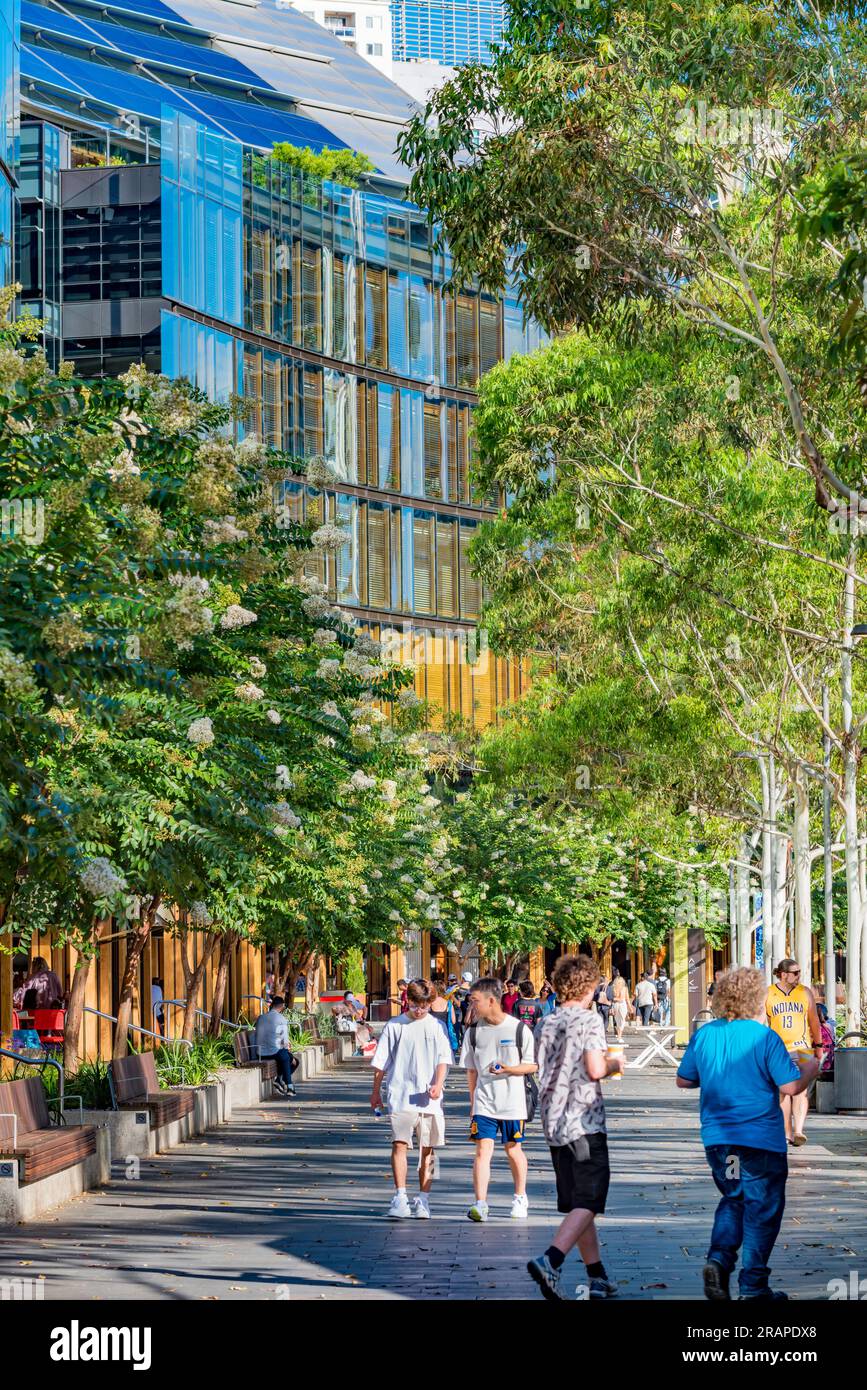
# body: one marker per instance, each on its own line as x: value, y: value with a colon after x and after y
x: 498, y: 1052
x: 412, y: 1057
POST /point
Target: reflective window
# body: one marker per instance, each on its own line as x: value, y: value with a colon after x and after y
x: 202, y: 213
x: 388, y: 432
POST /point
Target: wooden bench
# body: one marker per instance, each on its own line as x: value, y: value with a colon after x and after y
x: 135, y: 1087
x: 311, y: 1023
x: 247, y: 1054
x: 27, y: 1134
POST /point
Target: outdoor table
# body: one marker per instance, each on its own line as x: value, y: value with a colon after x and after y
x: 658, y: 1041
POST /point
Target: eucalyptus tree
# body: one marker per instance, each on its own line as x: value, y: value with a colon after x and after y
x: 651, y: 164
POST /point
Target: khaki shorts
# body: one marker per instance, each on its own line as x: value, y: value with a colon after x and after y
x: 429, y: 1127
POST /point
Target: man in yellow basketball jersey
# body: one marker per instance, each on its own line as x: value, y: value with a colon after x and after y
x: 792, y: 1014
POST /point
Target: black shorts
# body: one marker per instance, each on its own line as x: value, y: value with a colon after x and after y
x: 582, y: 1181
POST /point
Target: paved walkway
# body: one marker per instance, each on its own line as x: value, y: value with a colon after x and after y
x: 288, y: 1201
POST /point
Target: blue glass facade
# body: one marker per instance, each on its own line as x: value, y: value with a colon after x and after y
x: 449, y: 31
x: 201, y: 218
x: 9, y: 85
x: 206, y: 357
x: 184, y: 244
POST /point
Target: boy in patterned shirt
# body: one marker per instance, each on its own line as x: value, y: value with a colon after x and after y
x: 572, y: 1055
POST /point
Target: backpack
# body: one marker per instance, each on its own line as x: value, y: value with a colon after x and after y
x: 531, y: 1090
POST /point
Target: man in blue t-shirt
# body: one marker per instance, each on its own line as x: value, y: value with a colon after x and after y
x: 743, y: 1068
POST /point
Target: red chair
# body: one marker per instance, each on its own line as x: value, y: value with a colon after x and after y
x: 49, y: 1025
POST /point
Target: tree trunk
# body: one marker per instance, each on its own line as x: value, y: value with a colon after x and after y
x: 311, y: 992
x: 767, y: 874
x: 745, y: 952
x: 780, y: 856
x: 801, y: 863
x: 854, y: 905
x: 295, y: 963
x: 136, y: 941
x: 75, y: 1006
x: 193, y: 977
x: 228, y: 946
x: 862, y: 881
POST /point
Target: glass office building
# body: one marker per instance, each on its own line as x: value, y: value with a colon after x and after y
x: 155, y: 226
x: 448, y: 31
x: 9, y: 82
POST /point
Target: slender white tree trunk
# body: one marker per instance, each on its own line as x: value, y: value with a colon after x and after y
x: 803, y: 943
x: 781, y: 876
x: 745, y: 945
x: 780, y: 857
x: 767, y: 872
x: 854, y: 901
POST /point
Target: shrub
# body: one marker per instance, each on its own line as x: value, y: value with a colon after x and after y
x: 343, y: 166
x: 326, y: 1024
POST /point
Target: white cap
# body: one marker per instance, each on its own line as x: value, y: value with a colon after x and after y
x: 468, y: 977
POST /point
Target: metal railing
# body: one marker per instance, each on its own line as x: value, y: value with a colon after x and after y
x: 203, y: 1013
x: 148, y: 1032
x: 41, y: 1062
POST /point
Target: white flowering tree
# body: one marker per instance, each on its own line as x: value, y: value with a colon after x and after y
x: 367, y: 868
x: 192, y: 724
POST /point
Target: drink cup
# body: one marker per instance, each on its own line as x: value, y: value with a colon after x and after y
x: 615, y: 1050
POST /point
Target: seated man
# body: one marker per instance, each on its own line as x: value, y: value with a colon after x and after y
x: 272, y: 1040
x: 353, y: 1009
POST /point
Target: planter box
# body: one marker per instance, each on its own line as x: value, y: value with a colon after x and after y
x: 31, y: 1200
x: 209, y: 1108
x: 241, y: 1088
x: 312, y: 1061
x: 132, y: 1135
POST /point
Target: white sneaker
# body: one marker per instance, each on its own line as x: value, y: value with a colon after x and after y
x: 420, y: 1208
x: 400, y: 1207
x: 478, y: 1211
x: 520, y: 1208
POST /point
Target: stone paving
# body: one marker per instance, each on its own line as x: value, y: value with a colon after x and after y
x: 288, y: 1202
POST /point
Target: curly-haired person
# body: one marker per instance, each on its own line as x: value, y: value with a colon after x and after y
x: 743, y: 1068
x: 571, y: 1051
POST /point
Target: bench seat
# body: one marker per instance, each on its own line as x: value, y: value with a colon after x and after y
x: 163, y: 1106
x: 43, y: 1152
x: 136, y: 1088
x: 40, y: 1148
x: 245, y: 1054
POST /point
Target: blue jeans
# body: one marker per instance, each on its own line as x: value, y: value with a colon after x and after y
x: 665, y: 1009
x: 283, y: 1058
x: 753, y: 1187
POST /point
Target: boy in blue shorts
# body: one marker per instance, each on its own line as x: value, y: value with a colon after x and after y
x: 498, y: 1052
